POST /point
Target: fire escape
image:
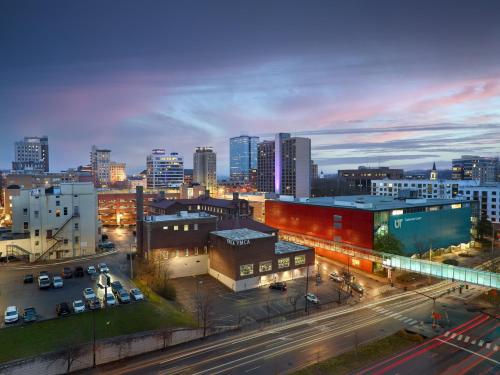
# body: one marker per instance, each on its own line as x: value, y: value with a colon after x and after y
x: 58, y: 241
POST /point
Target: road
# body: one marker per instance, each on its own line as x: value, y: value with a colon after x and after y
x: 293, y: 345
x: 471, y: 348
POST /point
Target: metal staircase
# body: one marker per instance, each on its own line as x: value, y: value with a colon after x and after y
x: 57, y: 240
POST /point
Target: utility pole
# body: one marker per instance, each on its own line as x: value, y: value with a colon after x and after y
x: 307, y: 286
x: 131, y: 263
x: 93, y: 337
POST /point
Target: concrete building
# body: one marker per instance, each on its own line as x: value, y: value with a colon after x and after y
x: 57, y: 222
x: 469, y: 167
x: 137, y: 180
x: 205, y: 168
x: 359, y: 180
x: 117, y: 172
x: 31, y: 155
x: 100, y: 160
x: 314, y: 171
x: 487, y: 194
x: 164, y: 170
x: 265, y: 166
x: 118, y: 208
x: 242, y: 157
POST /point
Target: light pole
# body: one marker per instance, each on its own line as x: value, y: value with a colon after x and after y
x: 93, y: 337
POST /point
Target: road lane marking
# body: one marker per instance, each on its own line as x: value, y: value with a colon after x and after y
x: 459, y: 338
x: 469, y: 351
x: 467, y: 338
x: 252, y: 369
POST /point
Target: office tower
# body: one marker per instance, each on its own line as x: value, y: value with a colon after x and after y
x: 31, y: 155
x: 205, y: 168
x: 243, y: 157
x: 314, y: 170
x: 164, y: 170
x: 470, y: 167
x: 117, y: 172
x: 100, y: 160
x: 265, y: 166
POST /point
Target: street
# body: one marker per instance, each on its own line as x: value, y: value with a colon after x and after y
x: 287, y: 347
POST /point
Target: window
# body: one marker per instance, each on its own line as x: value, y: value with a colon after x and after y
x: 300, y: 259
x: 186, y: 227
x: 65, y: 241
x: 49, y: 234
x: 187, y: 252
x: 283, y: 262
x: 36, y: 214
x: 246, y: 269
x: 65, y: 211
x: 58, y: 203
x: 76, y: 210
x: 37, y: 243
x: 25, y: 211
x: 76, y: 226
x: 58, y: 212
x: 77, y: 239
x: 337, y: 217
x: 266, y: 266
x: 195, y: 226
x: 337, y: 238
x: 337, y: 225
x: 37, y: 232
x: 176, y: 227
x: 25, y: 225
x: 165, y: 228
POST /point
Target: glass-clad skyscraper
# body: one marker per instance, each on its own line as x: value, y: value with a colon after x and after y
x: 243, y: 157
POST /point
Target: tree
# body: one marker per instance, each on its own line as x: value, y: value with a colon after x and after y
x: 388, y: 243
x: 484, y: 227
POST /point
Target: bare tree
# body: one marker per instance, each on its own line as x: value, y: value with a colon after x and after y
x: 204, y: 307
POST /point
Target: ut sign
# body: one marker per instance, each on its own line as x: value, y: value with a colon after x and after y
x: 420, y: 231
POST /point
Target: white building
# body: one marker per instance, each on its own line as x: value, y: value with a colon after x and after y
x: 100, y: 159
x: 31, y: 155
x: 164, y: 170
x: 487, y: 194
x: 205, y: 168
x: 57, y: 222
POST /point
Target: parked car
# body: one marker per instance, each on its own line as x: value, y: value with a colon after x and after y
x: 91, y: 270
x: 57, y: 282
x: 336, y: 277
x: 103, y: 268
x: 43, y: 282
x: 278, y: 286
x: 88, y: 293
x: 108, y: 245
x: 79, y: 271
x: 11, y: 315
x: 136, y: 294
x: 63, y: 309
x: 123, y: 296
x: 312, y: 298
x: 110, y: 299
x: 67, y: 273
x: 30, y: 315
x: 93, y: 303
x: 357, y: 288
x: 28, y: 279
x: 44, y: 273
x: 116, y: 286
x: 78, y: 306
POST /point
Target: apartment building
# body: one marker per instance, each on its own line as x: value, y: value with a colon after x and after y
x: 31, y: 155
x: 164, y: 170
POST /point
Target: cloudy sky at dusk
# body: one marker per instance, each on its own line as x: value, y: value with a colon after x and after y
x: 397, y: 83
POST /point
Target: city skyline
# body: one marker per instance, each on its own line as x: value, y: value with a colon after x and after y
x: 370, y: 84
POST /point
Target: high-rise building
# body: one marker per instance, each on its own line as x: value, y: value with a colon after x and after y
x: 117, y: 172
x: 205, y: 168
x: 265, y: 166
x: 164, y: 170
x: 243, y: 157
x: 31, y: 155
x: 285, y: 166
x: 100, y: 160
x: 314, y: 170
x: 469, y: 167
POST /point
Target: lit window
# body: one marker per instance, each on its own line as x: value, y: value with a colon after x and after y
x: 397, y: 212
x: 186, y: 227
x: 266, y: 266
x: 176, y: 227
x: 300, y: 259
x: 195, y: 226
x: 58, y: 212
x: 246, y: 269
x: 165, y: 228
x: 283, y: 262
x: 187, y: 252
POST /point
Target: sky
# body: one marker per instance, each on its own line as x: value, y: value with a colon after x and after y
x: 396, y: 83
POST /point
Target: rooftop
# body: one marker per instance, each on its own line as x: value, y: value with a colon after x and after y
x: 374, y: 202
x: 238, y: 223
x: 241, y: 234
x: 182, y: 215
x: 207, y: 201
x: 284, y: 247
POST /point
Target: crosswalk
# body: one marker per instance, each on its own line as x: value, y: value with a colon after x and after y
x: 472, y: 340
x: 402, y: 318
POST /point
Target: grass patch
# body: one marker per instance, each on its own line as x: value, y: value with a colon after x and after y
x: 366, y: 354
x: 50, y: 335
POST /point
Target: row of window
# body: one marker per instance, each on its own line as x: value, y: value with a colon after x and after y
x: 267, y: 266
x: 76, y: 226
x: 185, y: 227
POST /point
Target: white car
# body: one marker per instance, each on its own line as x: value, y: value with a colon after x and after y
x: 88, y: 293
x: 78, y: 306
x: 91, y: 270
x: 57, y: 282
x: 11, y: 315
x: 136, y: 294
x: 336, y: 277
x: 103, y: 268
x: 110, y: 299
x: 312, y: 298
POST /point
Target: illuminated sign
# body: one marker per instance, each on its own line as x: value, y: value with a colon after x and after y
x: 237, y: 242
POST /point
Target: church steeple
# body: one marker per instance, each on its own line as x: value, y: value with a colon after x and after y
x: 434, y: 172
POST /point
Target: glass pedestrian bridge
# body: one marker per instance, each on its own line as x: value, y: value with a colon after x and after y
x: 424, y: 267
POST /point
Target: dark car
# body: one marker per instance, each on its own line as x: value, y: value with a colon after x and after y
x: 28, y: 279
x: 79, y: 271
x: 93, y: 303
x: 278, y: 286
x: 63, y: 309
x: 44, y: 273
x: 116, y: 286
x: 67, y: 273
x: 357, y: 288
x: 30, y: 315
